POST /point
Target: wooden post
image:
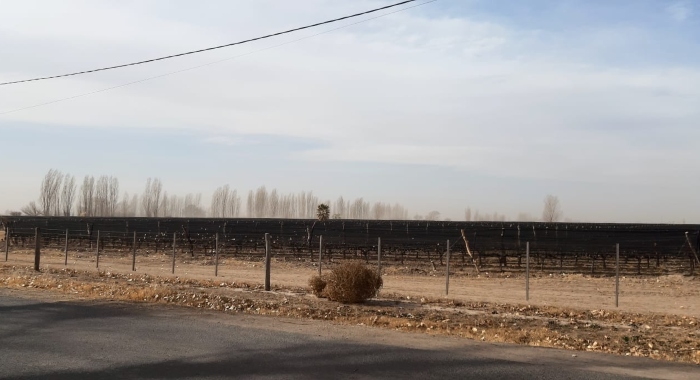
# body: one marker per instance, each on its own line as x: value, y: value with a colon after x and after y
x: 268, y: 256
x: 7, y: 242
x: 133, y: 252
x: 37, y: 248
x: 379, y: 257
x: 174, y: 239
x: 527, y: 271
x: 65, y: 249
x: 216, y: 256
x: 617, y: 274
x: 447, y: 276
x: 97, y: 261
x: 320, y: 252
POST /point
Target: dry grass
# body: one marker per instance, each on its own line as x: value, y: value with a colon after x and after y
x: 351, y: 282
x: 318, y: 285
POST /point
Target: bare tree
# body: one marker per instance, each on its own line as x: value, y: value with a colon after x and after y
x: 339, y: 207
x: 311, y: 205
x: 147, y: 199
x: 433, y: 215
x: 260, y: 202
x: 49, y: 195
x: 525, y: 217
x: 287, y: 206
x: 101, y: 203
x: 552, y: 209
x: 177, y: 206
x: 123, y: 206
x: 193, y: 206
x: 225, y: 203
x: 379, y: 211
x: 359, y: 209
x: 68, y: 194
x: 250, y: 204
x: 468, y: 214
x: 134, y: 206
x: 273, y: 204
x: 150, y: 200
x: 218, y: 202
x: 87, y: 197
x: 31, y: 209
x: 398, y: 212
x: 112, y: 195
x: 164, y: 208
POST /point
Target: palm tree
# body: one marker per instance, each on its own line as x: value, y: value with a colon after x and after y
x: 323, y: 212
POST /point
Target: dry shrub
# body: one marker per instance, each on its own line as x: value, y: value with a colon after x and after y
x: 318, y: 285
x: 352, y: 282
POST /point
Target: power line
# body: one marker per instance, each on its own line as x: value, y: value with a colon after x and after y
x: 209, y: 48
x: 210, y: 63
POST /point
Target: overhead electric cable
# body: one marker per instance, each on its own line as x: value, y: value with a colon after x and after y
x: 209, y: 48
x: 210, y: 63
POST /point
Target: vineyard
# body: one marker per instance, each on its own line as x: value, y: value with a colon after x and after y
x: 566, y: 247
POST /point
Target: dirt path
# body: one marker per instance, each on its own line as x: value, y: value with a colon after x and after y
x: 675, y: 294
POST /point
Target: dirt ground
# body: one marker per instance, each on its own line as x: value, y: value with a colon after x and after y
x: 674, y: 294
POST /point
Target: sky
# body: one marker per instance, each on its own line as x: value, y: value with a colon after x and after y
x: 490, y: 105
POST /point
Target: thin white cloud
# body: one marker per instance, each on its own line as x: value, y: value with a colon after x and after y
x: 680, y: 10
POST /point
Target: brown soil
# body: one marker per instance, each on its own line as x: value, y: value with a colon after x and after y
x: 674, y: 294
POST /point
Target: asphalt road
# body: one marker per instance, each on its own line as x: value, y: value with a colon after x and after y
x: 47, y: 339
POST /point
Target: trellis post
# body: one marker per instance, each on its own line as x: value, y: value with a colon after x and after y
x: 268, y: 256
x: 174, y: 239
x: 527, y: 271
x: 320, y: 251
x: 447, y: 276
x: 97, y: 260
x: 617, y: 274
x: 216, y: 256
x: 65, y: 250
x: 37, y: 248
x: 379, y: 257
x: 7, y: 242
x: 133, y: 254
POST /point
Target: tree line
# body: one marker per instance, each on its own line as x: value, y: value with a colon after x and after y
x: 60, y: 195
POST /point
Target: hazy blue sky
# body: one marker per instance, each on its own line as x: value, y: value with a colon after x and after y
x: 484, y: 104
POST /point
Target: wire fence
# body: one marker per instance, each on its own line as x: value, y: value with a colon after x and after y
x: 566, y: 247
